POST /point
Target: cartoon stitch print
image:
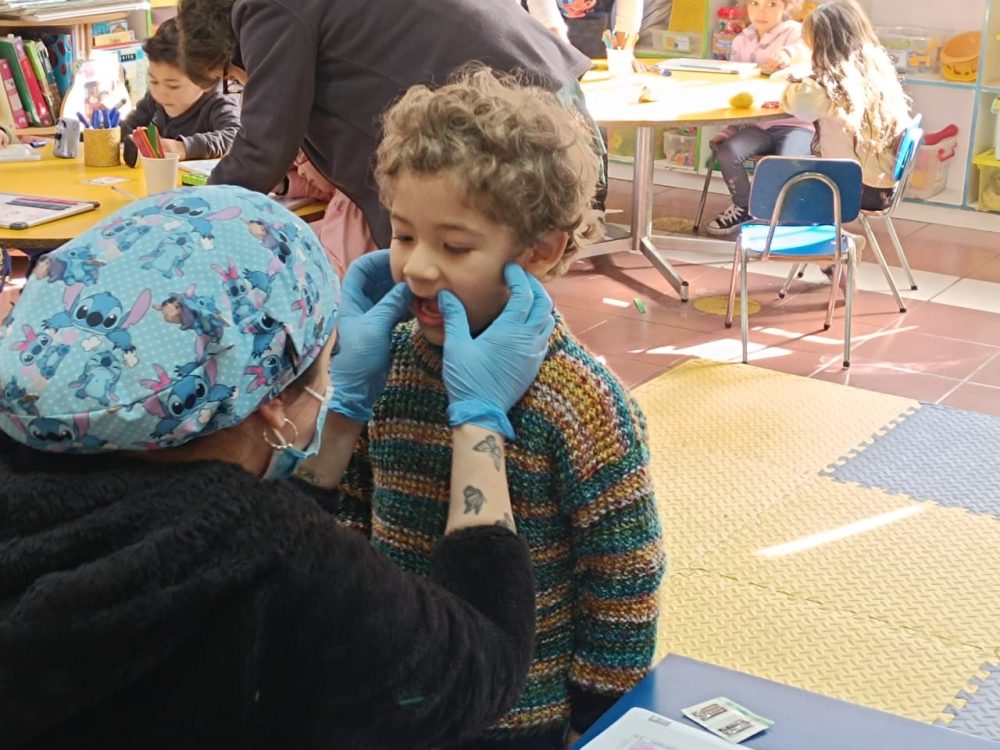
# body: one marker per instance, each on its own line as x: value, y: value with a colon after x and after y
x: 123, y: 233
x: 243, y: 302
x: 38, y: 350
x: 194, y: 313
x: 100, y: 375
x: 12, y: 395
x: 264, y: 374
x: 181, y: 210
x: 275, y: 236
x: 310, y: 294
x: 78, y: 265
x: 264, y: 329
x: 46, y: 433
x: 170, y: 255
x: 101, y: 315
x: 191, y: 397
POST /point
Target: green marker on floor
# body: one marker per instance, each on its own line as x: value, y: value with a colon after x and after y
x: 639, y: 305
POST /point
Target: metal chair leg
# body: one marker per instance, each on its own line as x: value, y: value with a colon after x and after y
x: 732, y: 286
x: 899, y: 252
x: 881, y: 261
x: 788, y: 282
x: 744, y: 305
x: 838, y: 268
x: 704, y: 193
x: 852, y: 264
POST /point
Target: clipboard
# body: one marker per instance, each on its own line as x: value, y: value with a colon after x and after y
x: 19, y: 211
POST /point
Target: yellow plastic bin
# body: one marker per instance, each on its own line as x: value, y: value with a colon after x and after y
x: 960, y: 57
x: 989, y: 181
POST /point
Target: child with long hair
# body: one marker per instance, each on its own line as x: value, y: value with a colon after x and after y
x: 773, y: 41
x: 855, y: 96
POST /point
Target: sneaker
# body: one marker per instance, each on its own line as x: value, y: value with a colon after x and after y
x: 729, y: 221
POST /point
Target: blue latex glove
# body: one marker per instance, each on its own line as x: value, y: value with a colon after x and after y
x: 370, y: 307
x: 486, y: 375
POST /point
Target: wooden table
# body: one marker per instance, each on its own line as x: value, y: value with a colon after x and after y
x: 67, y: 178
x: 682, y: 99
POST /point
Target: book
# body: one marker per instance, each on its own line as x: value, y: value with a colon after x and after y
x: 115, y: 37
x: 60, y: 47
x: 723, y: 67
x: 68, y: 9
x: 34, y: 59
x: 23, y: 211
x: 12, y: 49
x: 50, y: 77
x: 20, y: 117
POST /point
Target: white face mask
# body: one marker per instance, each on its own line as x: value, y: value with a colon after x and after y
x: 284, y: 461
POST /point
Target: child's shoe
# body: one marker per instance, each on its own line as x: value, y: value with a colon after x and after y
x: 729, y: 221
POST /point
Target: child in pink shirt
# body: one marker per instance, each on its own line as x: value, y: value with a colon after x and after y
x: 773, y: 41
x: 342, y: 231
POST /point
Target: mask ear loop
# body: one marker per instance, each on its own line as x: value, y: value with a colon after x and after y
x: 285, y: 444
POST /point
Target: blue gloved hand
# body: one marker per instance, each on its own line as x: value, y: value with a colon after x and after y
x: 486, y: 375
x: 370, y: 307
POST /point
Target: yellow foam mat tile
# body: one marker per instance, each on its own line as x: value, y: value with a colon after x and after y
x: 750, y: 414
x: 793, y: 641
x: 920, y: 566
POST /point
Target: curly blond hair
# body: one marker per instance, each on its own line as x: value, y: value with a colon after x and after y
x: 522, y: 159
x: 849, y: 61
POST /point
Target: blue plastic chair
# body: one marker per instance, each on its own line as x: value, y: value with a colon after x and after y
x: 798, y: 207
x: 905, y: 157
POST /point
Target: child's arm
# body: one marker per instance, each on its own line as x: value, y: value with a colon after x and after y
x: 546, y: 12
x: 141, y: 116
x: 224, y: 119
x: 806, y: 99
x: 620, y: 562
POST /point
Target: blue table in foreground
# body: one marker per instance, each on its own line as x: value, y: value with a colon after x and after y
x: 802, y: 720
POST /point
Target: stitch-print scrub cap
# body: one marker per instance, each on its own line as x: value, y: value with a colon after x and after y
x: 177, y: 317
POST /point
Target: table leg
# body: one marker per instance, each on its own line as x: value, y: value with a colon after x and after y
x: 642, y: 211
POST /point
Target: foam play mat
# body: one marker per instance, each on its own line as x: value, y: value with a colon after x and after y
x: 838, y: 540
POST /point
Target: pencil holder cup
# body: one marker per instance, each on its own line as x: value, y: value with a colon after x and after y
x: 102, y: 147
x: 161, y: 174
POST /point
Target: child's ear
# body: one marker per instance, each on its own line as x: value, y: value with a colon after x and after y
x: 545, y: 254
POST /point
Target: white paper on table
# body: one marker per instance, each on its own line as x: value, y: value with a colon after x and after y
x: 640, y: 729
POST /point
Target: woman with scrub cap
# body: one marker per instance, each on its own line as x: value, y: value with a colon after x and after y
x: 158, y: 587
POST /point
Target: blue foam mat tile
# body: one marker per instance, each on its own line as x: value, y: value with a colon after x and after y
x: 981, y: 713
x: 950, y: 456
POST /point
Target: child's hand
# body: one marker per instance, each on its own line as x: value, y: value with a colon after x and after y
x: 486, y: 375
x: 4, y: 138
x: 781, y: 59
x: 171, y: 146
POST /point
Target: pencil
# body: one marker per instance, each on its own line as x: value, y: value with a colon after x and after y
x: 124, y: 192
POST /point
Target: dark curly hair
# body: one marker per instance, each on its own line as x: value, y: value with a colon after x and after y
x: 207, y: 38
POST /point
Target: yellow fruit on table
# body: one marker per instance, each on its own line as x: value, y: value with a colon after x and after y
x: 742, y: 100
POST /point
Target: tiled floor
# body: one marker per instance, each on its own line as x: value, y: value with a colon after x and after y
x: 944, y: 349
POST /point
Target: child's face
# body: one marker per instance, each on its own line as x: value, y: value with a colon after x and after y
x: 171, y: 89
x: 439, y: 242
x: 765, y: 14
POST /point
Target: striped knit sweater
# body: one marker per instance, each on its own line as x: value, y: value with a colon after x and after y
x: 582, y: 498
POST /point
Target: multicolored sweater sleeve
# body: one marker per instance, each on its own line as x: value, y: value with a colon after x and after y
x: 354, y: 504
x: 604, y: 479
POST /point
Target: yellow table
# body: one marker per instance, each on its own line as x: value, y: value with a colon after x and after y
x: 680, y: 99
x: 67, y: 178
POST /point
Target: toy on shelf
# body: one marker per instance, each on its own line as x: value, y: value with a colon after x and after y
x: 989, y: 181
x: 960, y: 57
x: 679, y: 146
x: 995, y: 109
x: 934, y: 157
x: 730, y: 22
x: 911, y: 49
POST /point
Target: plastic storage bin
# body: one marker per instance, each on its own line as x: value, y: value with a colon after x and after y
x: 911, y: 49
x: 930, y: 168
x: 989, y: 181
x: 960, y: 57
x: 677, y: 43
x: 679, y: 146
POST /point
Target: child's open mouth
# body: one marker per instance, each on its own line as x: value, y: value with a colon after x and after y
x: 426, y: 311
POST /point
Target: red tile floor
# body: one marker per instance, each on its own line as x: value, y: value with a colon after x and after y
x: 944, y: 349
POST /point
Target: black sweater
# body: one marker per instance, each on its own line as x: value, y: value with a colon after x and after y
x: 147, y: 605
x: 320, y: 73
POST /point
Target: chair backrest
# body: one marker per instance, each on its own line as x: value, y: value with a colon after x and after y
x: 905, y: 158
x: 809, y: 199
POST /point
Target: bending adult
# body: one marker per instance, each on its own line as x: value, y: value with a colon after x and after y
x: 160, y: 586
x: 319, y: 73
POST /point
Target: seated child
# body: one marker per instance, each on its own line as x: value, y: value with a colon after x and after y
x: 773, y: 41
x: 854, y: 93
x: 476, y: 174
x: 192, y: 122
x: 342, y: 231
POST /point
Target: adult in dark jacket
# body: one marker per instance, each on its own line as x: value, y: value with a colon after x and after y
x: 159, y: 586
x: 320, y: 72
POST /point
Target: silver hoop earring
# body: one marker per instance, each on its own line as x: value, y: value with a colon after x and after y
x: 285, y: 443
